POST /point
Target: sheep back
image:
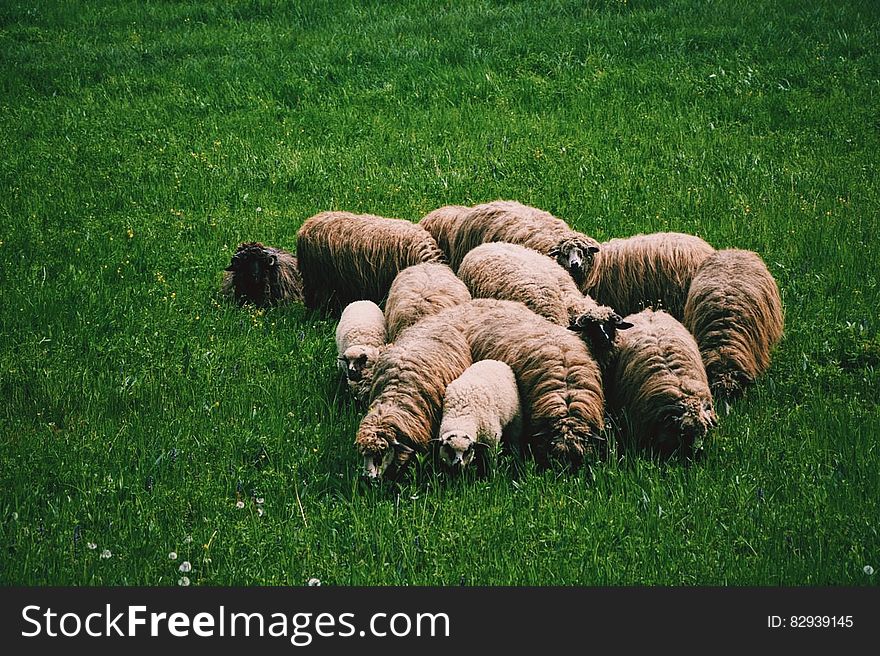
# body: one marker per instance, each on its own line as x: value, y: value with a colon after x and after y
x: 657, y: 379
x: 508, y: 221
x: 735, y: 313
x: 345, y: 257
x: 442, y: 224
x: 642, y: 271
x: 421, y: 291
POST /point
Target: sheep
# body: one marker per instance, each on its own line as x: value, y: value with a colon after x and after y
x: 409, y: 380
x: 420, y: 291
x: 656, y: 377
x: 441, y: 223
x: 346, y: 257
x: 465, y: 228
x: 653, y: 270
x: 516, y: 273
x: 262, y: 275
x: 559, y: 381
x: 360, y: 338
x: 478, y: 407
x: 735, y: 313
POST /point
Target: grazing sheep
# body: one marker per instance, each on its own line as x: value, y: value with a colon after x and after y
x: 734, y: 311
x: 421, y: 291
x: 646, y: 271
x: 515, y: 273
x: 409, y: 381
x: 346, y: 257
x: 478, y: 407
x: 465, y: 228
x: 360, y: 337
x: 262, y: 275
x: 656, y: 377
x: 559, y: 381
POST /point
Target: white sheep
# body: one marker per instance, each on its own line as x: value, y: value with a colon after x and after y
x: 478, y: 407
x: 360, y: 338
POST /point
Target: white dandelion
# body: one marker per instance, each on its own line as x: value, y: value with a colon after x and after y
x: 188, y: 539
x: 260, y: 512
x: 183, y: 580
x: 172, y: 555
x: 106, y: 554
x: 92, y: 546
x: 185, y: 566
x: 260, y: 501
x: 239, y: 504
x: 867, y: 569
x: 314, y: 582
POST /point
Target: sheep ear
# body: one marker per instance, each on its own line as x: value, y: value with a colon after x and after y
x: 553, y: 252
x: 623, y: 325
x: 272, y: 260
x: 593, y: 249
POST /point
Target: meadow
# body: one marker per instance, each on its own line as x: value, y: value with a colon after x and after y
x: 142, y: 415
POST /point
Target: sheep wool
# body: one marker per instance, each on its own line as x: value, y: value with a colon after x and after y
x: 516, y: 273
x: 735, y: 313
x: 262, y: 275
x: 346, y: 257
x: 406, y: 399
x: 421, y: 291
x: 360, y: 337
x: 644, y: 271
x: 442, y: 224
x: 559, y: 381
x: 463, y: 229
x: 478, y: 407
x: 657, y: 380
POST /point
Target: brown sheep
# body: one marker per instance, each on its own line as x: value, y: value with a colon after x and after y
x: 465, y: 228
x: 406, y: 401
x: 346, y: 257
x: 421, y: 291
x: 515, y: 273
x: 657, y: 380
x: 560, y: 383
x: 735, y: 313
x: 262, y: 275
x: 643, y: 271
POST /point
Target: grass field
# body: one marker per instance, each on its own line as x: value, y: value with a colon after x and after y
x: 140, y: 142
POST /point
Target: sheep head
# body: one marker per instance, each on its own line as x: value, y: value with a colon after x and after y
x: 599, y: 327
x: 457, y: 449
x: 686, y: 428
x: 380, y: 444
x: 357, y: 362
x: 253, y: 267
x: 575, y: 255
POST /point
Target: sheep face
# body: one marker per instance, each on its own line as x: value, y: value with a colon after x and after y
x: 252, y: 268
x: 384, y: 454
x: 457, y: 449
x: 575, y: 255
x: 357, y: 362
x: 600, y: 332
x: 686, y: 430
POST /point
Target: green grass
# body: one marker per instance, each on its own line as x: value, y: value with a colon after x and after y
x: 142, y: 141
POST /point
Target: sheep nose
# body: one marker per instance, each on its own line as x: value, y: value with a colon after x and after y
x: 354, y: 375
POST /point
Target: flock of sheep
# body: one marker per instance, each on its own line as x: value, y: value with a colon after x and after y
x: 503, y: 324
